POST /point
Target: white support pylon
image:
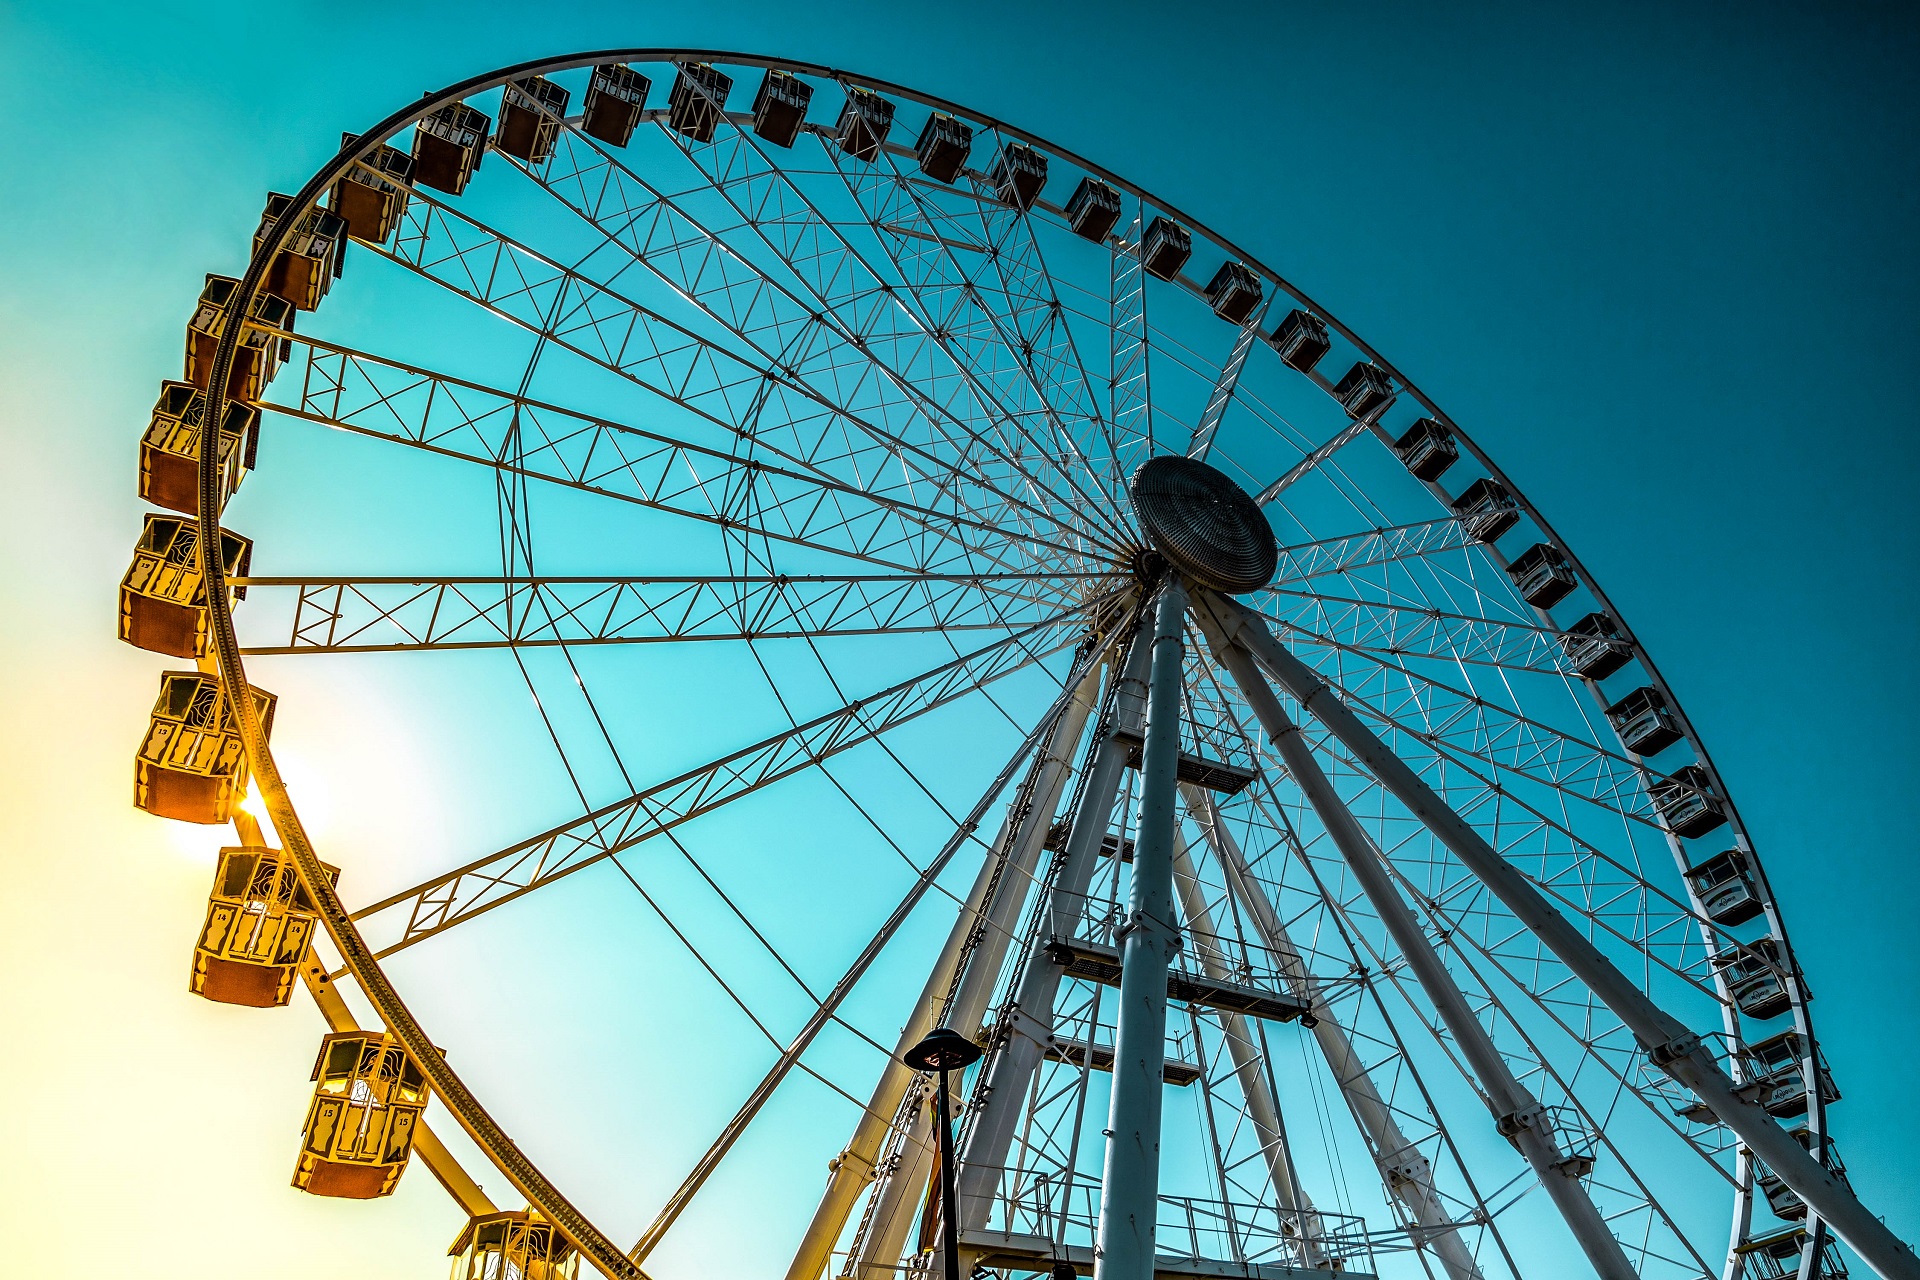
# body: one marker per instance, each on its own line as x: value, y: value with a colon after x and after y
x: 854, y: 1168
x: 1130, y: 1180
x: 898, y: 1192
x: 1517, y: 1114
x: 1667, y: 1042
x: 1027, y: 1021
x: 1263, y: 1109
x: 1403, y: 1169
x: 900, y: 1188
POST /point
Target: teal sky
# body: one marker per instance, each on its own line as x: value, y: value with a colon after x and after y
x: 1660, y: 262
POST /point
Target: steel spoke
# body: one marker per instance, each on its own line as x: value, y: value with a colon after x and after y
x: 827, y: 1007
x: 721, y: 386
x: 1446, y: 720
x: 1408, y: 631
x: 497, y: 878
x: 405, y: 404
x: 815, y: 347
x: 1353, y: 552
x: 952, y: 306
x: 358, y: 614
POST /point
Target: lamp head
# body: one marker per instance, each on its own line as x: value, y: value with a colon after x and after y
x: 944, y: 1049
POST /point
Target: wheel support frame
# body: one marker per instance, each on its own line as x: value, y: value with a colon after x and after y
x: 1668, y: 1043
x: 1517, y: 1114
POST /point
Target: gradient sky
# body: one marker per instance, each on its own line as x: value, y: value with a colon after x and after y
x: 1661, y: 263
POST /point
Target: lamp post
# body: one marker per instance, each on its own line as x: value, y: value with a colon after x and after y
x: 945, y: 1050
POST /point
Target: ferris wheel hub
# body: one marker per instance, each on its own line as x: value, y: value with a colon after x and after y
x: 1204, y: 524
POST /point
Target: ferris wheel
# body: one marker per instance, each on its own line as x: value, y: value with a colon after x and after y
x: 1318, y: 868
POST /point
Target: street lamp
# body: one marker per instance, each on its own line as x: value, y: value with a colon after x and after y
x: 945, y: 1050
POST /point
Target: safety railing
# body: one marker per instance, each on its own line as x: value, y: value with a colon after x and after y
x: 1064, y: 1209
x: 1099, y: 920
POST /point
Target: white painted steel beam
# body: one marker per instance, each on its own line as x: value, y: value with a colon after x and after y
x: 1027, y: 1023
x: 1402, y: 1167
x: 984, y: 950
x: 1263, y: 1110
x: 1667, y: 1042
x: 1518, y: 1115
x: 1130, y: 1181
x: 853, y: 1169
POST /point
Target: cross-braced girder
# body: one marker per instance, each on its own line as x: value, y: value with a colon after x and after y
x: 835, y: 353
x: 384, y: 614
x: 727, y: 388
x: 521, y: 868
x: 778, y: 500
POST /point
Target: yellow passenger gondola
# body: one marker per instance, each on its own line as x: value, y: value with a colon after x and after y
x: 312, y: 257
x: 163, y: 598
x: 367, y: 1100
x: 521, y: 1245
x: 448, y: 147
x: 259, y: 354
x: 190, y: 765
x: 170, y: 449
x: 372, y: 197
x: 259, y: 924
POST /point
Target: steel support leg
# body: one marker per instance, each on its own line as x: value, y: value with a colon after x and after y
x: 1667, y: 1042
x: 900, y: 1187
x: 1405, y: 1171
x: 897, y: 1197
x: 1517, y: 1113
x: 1130, y: 1183
x: 969, y: 1007
x: 853, y: 1169
x: 1027, y: 1022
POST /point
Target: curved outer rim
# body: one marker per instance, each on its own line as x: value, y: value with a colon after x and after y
x: 506, y: 1156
